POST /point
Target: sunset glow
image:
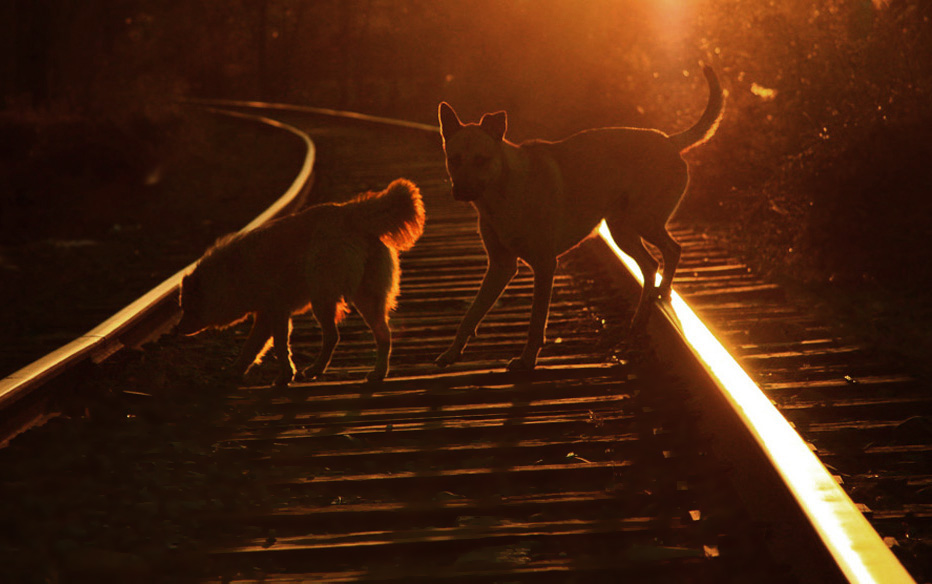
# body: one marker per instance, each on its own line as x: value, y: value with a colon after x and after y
x: 672, y: 16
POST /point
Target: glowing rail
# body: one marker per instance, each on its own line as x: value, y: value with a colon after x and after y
x: 854, y: 544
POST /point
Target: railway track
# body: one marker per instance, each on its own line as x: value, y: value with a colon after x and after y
x: 590, y: 469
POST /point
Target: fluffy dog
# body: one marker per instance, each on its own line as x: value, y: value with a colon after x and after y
x: 320, y: 259
x: 538, y: 199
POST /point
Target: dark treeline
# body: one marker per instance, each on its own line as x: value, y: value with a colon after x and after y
x: 618, y: 59
x: 828, y: 113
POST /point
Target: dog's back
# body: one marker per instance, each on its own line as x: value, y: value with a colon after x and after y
x: 356, y: 245
x: 326, y: 247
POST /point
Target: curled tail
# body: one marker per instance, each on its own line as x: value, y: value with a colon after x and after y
x: 396, y: 215
x: 708, y: 123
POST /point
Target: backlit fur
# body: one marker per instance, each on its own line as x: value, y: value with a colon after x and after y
x: 321, y: 258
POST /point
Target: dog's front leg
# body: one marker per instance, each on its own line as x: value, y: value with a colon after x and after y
x: 258, y: 336
x: 540, y: 309
x: 500, y: 271
x: 281, y: 336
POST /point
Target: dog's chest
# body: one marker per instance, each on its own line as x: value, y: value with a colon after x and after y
x: 524, y: 230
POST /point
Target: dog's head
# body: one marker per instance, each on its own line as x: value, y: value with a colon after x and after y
x: 193, y: 304
x: 473, y: 152
x: 208, y: 300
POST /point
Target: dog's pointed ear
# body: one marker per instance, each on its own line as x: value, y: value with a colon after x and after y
x: 494, y: 124
x: 449, y: 121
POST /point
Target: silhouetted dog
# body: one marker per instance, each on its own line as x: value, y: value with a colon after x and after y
x: 539, y: 199
x: 320, y: 258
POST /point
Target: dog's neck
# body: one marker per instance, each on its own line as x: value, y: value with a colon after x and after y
x: 515, y: 164
x: 501, y: 183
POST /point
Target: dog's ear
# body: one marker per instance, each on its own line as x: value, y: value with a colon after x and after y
x: 449, y: 121
x: 494, y: 124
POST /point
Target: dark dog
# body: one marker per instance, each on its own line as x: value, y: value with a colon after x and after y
x: 539, y: 199
x: 320, y: 258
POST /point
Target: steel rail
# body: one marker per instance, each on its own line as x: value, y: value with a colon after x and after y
x: 319, y: 111
x: 856, y: 548
x: 144, y: 319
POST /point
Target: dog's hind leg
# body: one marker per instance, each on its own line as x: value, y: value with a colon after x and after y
x: 540, y: 309
x: 630, y: 243
x: 255, y: 343
x: 281, y: 334
x: 670, y: 249
x: 375, y: 312
x: 326, y: 315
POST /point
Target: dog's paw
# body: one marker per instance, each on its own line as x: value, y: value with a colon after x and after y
x: 284, y: 378
x: 309, y: 374
x: 520, y: 364
x: 449, y: 357
x: 375, y: 376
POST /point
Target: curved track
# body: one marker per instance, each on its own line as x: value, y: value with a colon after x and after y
x: 582, y: 471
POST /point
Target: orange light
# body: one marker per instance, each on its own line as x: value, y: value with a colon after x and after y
x: 852, y: 541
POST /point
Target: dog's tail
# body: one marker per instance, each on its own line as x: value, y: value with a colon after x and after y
x: 396, y: 215
x: 708, y: 123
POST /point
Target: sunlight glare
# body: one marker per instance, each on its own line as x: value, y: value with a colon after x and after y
x: 762, y: 92
x: 672, y: 16
x: 829, y: 508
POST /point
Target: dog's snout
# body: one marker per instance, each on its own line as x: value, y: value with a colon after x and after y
x: 465, y: 194
x: 462, y: 195
x: 188, y: 325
